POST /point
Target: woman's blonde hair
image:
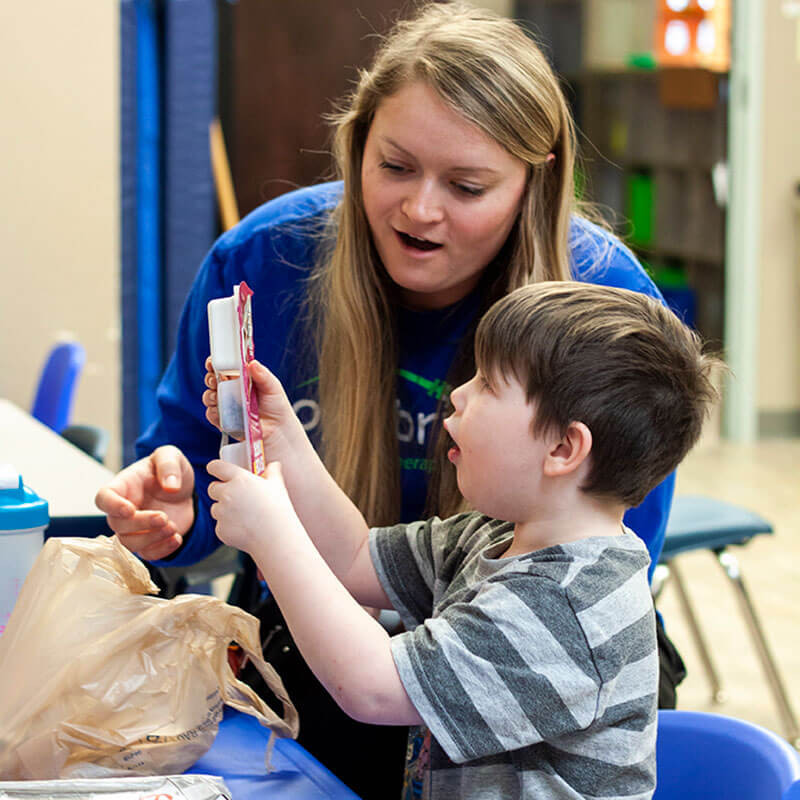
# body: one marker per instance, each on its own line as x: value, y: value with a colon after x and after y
x: 486, y: 68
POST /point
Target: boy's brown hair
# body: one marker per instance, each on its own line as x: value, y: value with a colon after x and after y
x: 618, y: 361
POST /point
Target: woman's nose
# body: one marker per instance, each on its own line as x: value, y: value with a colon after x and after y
x: 422, y: 204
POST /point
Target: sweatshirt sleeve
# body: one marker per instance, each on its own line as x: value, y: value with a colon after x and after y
x: 181, y: 421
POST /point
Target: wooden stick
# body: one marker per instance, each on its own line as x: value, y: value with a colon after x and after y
x: 223, y: 182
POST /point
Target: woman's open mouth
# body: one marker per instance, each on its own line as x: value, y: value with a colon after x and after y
x: 416, y: 243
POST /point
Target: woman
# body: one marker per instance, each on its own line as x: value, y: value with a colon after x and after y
x: 455, y: 156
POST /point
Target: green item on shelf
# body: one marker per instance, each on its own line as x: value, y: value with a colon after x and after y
x: 618, y: 137
x: 670, y: 276
x: 642, y: 61
x: 640, y: 207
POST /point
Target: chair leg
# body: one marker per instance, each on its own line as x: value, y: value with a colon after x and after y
x: 730, y: 565
x: 660, y: 578
x: 717, y: 692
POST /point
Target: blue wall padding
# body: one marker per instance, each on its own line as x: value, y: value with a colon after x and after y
x: 190, y: 86
x: 168, y: 79
x: 129, y: 352
x: 148, y: 207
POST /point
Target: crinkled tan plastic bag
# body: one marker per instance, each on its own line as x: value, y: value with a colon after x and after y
x: 100, y: 679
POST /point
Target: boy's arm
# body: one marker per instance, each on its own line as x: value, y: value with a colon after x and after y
x: 330, y: 518
x: 346, y: 648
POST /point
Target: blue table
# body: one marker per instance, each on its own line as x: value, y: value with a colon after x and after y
x: 237, y: 756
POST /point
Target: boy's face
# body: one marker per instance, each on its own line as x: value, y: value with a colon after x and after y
x: 498, y: 459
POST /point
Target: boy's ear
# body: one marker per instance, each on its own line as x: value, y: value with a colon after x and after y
x: 569, y: 452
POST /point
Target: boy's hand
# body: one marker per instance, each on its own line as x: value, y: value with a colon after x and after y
x: 278, y: 421
x: 275, y: 412
x: 248, y: 509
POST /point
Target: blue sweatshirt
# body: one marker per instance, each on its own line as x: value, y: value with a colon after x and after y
x: 273, y: 249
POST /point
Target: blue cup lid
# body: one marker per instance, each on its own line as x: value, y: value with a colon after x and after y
x: 20, y: 506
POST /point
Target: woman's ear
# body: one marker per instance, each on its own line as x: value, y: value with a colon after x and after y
x: 569, y: 452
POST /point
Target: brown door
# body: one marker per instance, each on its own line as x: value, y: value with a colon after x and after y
x: 283, y: 63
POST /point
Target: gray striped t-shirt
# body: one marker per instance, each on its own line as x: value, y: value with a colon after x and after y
x: 536, y: 675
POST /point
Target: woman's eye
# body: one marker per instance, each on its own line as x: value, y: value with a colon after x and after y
x: 472, y: 191
x: 392, y: 167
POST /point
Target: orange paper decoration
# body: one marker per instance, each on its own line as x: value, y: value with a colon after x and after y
x: 693, y: 33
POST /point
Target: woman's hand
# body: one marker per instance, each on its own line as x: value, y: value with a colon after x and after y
x: 149, y: 503
x: 236, y: 415
x: 210, y: 395
x: 249, y: 510
x: 279, y: 424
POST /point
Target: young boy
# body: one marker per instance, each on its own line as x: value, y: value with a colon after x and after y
x: 529, y: 659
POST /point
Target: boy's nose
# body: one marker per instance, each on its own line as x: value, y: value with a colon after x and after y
x: 456, y: 397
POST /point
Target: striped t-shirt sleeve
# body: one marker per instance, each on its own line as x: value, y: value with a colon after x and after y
x: 493, y: 675
x: 412, y: 561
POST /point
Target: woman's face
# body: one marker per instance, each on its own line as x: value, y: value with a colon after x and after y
x: 440, y: 196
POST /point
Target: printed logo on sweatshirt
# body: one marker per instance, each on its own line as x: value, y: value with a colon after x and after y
x: 410, y: 427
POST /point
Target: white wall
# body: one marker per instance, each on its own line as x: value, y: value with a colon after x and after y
x: 779, y: 345
x: 59, y: 199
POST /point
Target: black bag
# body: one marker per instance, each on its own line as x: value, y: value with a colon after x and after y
x: 671, y: 669
x: 370, y: 759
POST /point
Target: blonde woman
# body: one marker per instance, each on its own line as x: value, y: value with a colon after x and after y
x: 455, y: 158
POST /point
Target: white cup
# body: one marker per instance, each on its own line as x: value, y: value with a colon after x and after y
x: 23, y: 519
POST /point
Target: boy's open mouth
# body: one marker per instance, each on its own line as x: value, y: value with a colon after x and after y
x: 453, y: 450
x: 418, y: 244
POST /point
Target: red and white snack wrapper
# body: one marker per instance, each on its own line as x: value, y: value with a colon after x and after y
x: 252, y: 427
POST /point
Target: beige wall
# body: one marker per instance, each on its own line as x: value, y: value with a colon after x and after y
x: 500, y: 6
x: 779, y: 345
x: 59, y: 203
x: 59, y: 206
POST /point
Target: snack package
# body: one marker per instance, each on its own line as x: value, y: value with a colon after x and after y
x: 166, y: 787
x: 230, y: 329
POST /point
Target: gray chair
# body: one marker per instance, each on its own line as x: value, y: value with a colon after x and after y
x: 92, y: 439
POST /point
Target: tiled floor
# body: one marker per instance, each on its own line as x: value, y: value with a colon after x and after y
x: 766, y: 478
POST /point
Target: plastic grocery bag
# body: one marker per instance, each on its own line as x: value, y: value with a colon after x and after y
x: 100, y: 679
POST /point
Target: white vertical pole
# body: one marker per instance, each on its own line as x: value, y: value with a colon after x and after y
x: 743, y: 230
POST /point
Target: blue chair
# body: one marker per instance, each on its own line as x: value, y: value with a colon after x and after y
x: 793, y: 792
x: 710, y: 756
x: 704, y: 523
x: 55, y: 393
